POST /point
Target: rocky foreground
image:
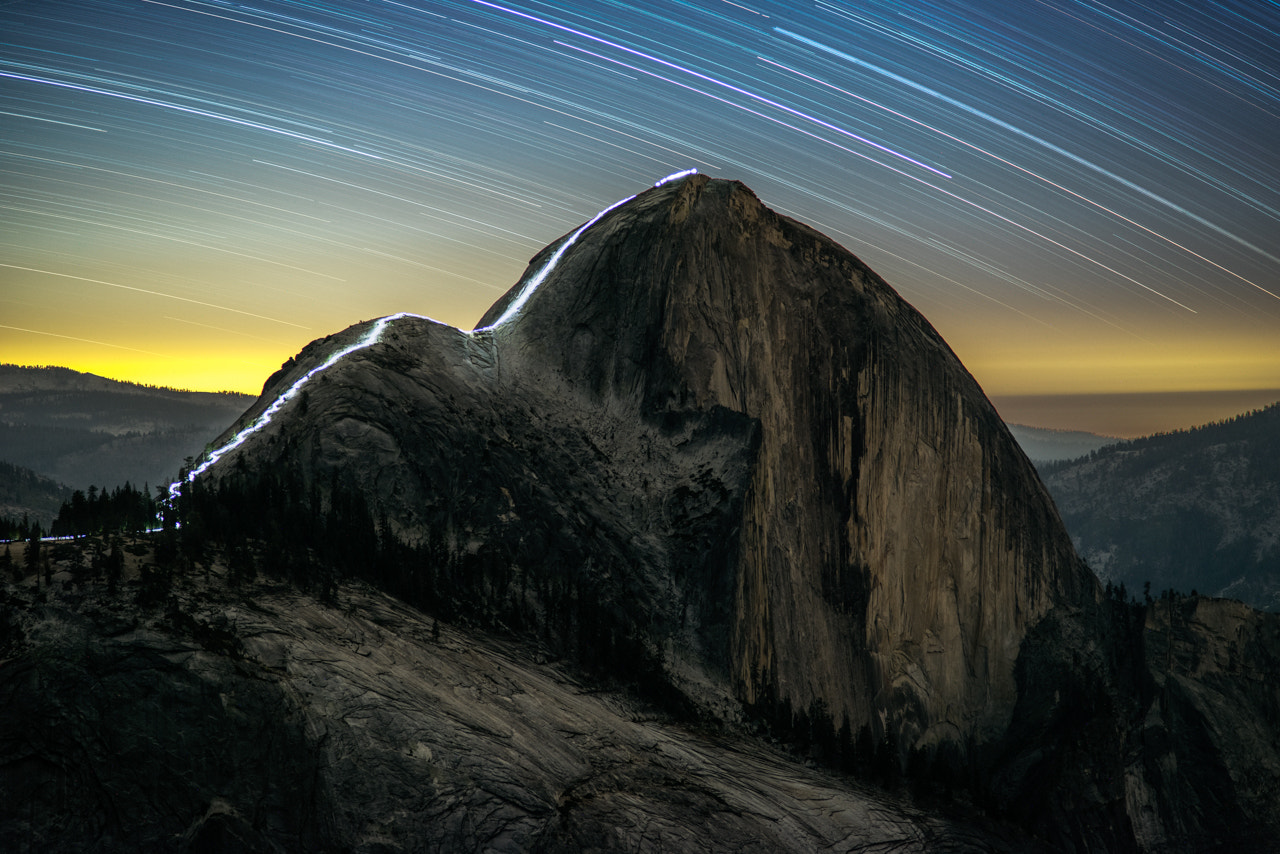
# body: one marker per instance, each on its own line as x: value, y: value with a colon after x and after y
x: 261, y: 719
x: 714, y: 462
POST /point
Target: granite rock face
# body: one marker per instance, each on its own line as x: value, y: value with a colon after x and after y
x: 749, y: 464
x: 894, y: 544
x: 262, y: 720
x: 755, y: 426
x: 1209, y: 727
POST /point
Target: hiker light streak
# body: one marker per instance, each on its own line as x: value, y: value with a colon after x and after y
x: 379, y: 327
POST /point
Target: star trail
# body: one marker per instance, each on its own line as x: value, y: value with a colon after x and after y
x: 1083, y: 197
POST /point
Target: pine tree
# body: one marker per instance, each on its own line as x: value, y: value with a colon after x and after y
x: 33, y: 554
x: 844, y: 746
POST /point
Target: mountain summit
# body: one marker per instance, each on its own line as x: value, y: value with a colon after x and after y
x: 893, y: 544
x: 702, y: 450
x: 702, y: 446
x: 769, y: 468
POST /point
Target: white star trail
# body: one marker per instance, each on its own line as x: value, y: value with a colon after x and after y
x: 1045, y: 181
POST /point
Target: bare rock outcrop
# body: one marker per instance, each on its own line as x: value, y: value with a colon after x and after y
x: 753, y: 423
x: 260, y: 719
x: 1208, y: 734
x: 895, y: 544
x: 715, y: 456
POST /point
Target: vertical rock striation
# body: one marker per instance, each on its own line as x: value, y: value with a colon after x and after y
x: 895, y: 544
x: 715, y: 455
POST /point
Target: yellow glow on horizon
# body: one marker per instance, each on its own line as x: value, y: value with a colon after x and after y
x: 1025, y: 361
x: 193, y: 373
x: 209, y: 362
x: 196, y: 366
x: 217, y: 352
x: 190, y: 373
x: 214, y: 353
x: 1128, y: 372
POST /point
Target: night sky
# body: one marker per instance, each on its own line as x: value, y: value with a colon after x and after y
x: 1083, y: 197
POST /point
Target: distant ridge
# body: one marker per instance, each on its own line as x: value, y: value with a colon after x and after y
x: 84, y: 430
x: 14, y: 377
x: 25, y: 494
x: 1044, y: 445
x: 1192, y: 509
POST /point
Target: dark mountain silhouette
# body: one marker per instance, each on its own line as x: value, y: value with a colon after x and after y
x: 1190, y: 510
x: 83, y: 430
x: 715, y: 460
x: 25, y: 494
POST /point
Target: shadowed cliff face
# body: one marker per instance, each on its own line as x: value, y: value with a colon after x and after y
x: 894, y: 544
x: 715, y: 454
x: 761, y: 448
x: 446, y: 437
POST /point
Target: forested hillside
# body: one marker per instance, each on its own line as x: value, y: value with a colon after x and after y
x: 82, y: 430
x: 1195, y: 509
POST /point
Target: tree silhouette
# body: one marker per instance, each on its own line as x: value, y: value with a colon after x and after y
x: 33, y: 553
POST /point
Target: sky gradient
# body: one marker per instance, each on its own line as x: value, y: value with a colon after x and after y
x: 1083, y: 197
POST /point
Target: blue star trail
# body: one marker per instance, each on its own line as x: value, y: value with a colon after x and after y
x: 1081, y: 196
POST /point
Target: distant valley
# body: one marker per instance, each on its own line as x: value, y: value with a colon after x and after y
x: 1194, y: 509
x: 1045, y: 445
x: 62, y: 430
